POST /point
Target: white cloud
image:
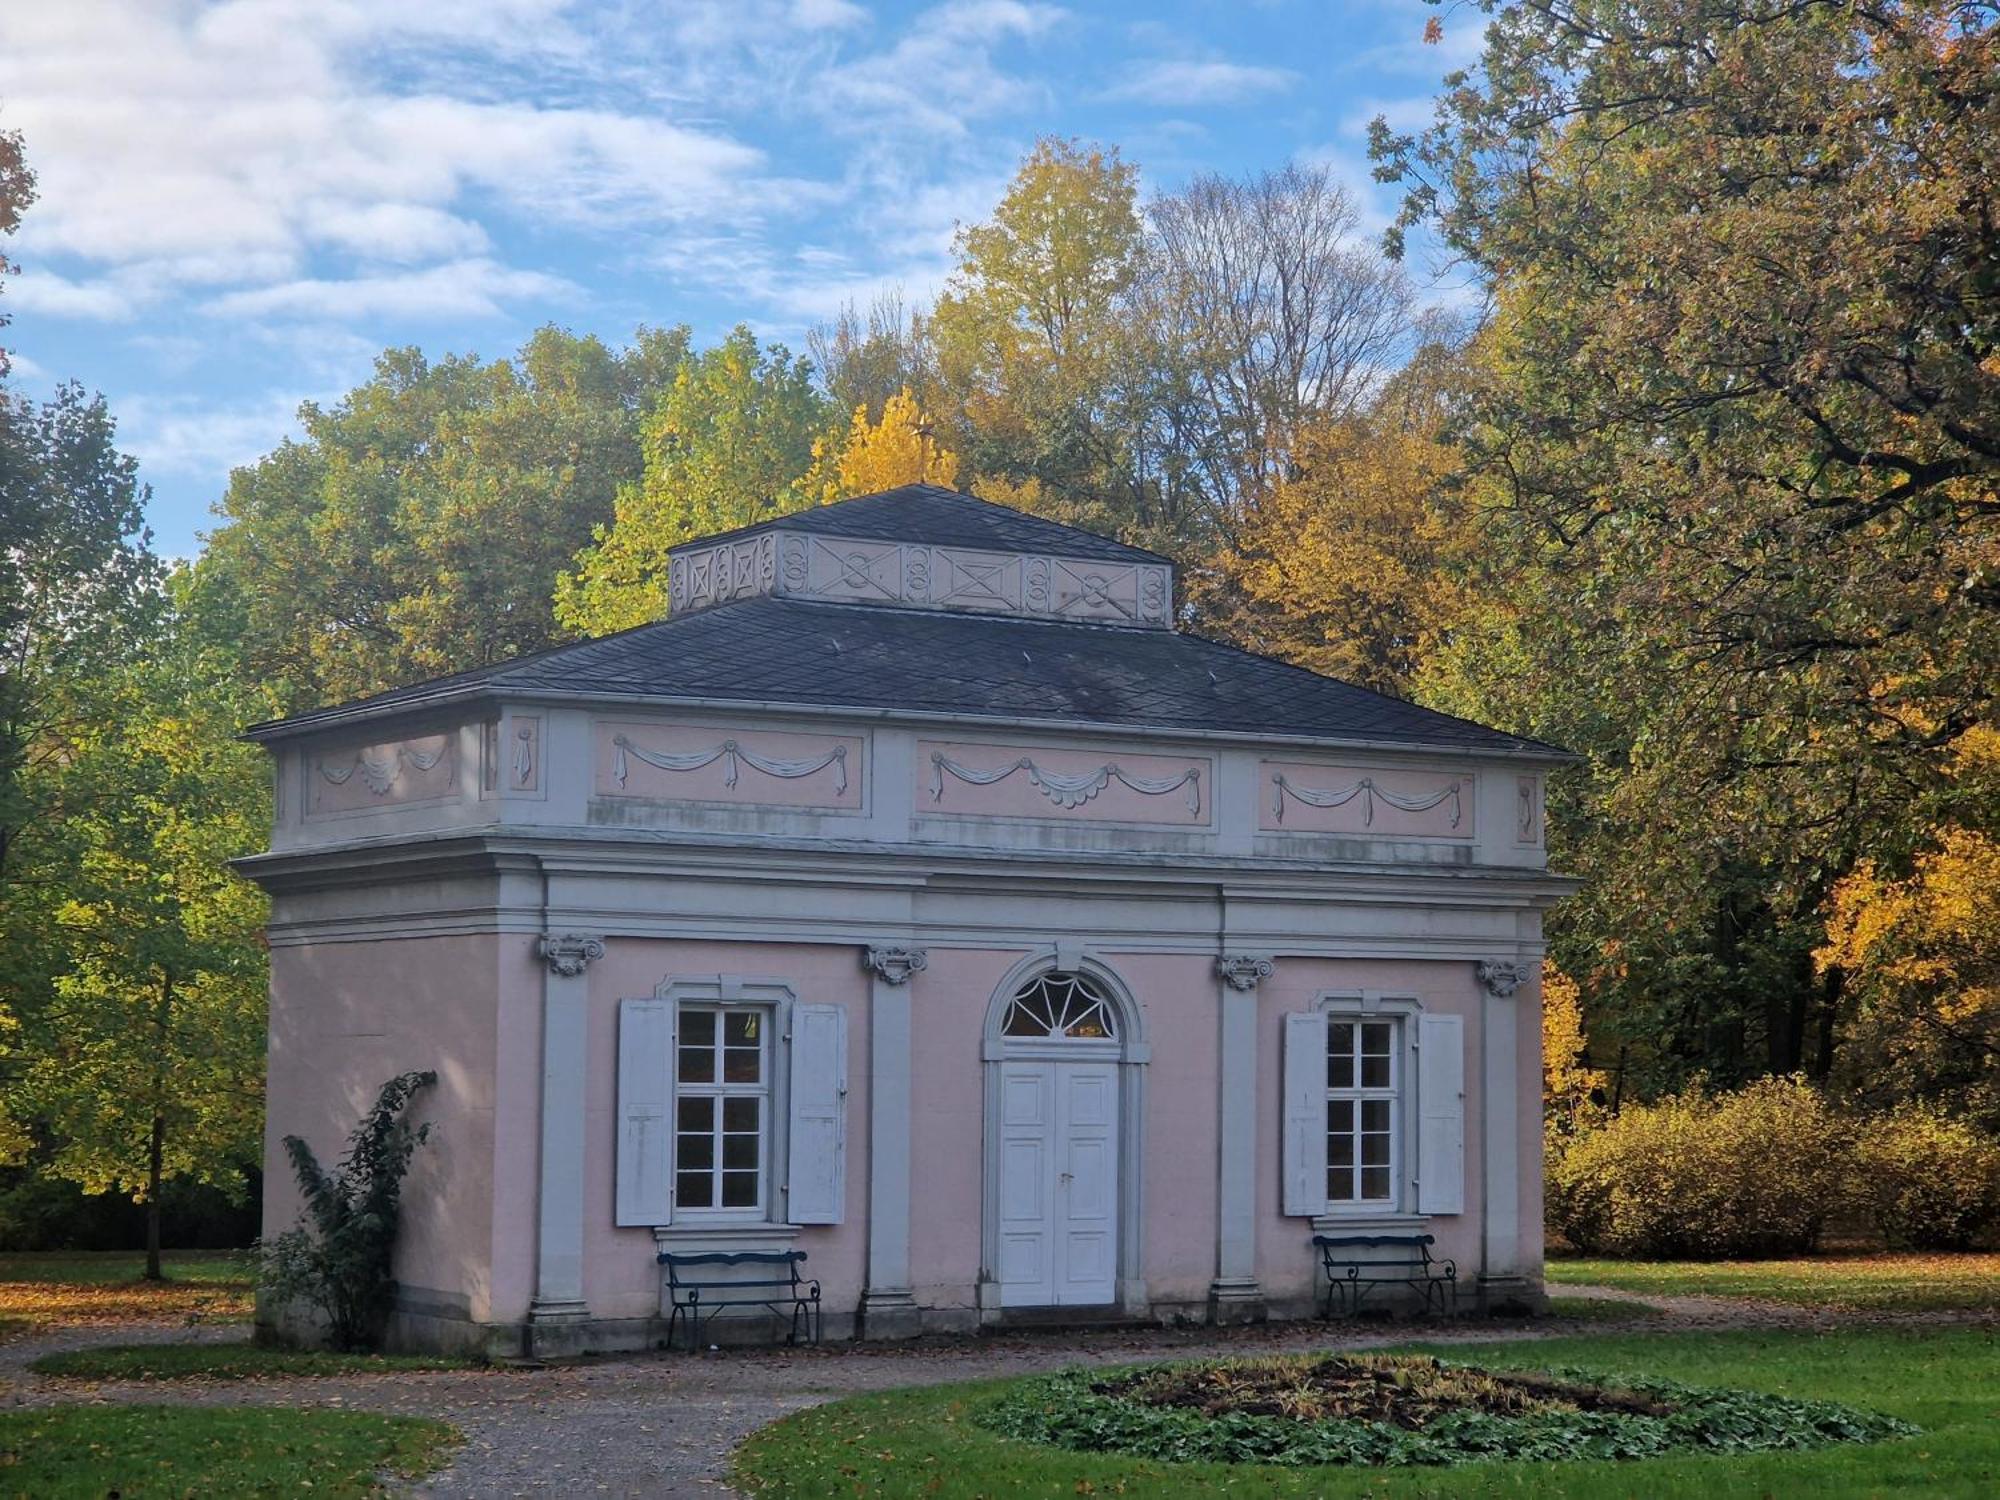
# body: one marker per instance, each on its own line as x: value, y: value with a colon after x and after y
x: 180, y: 436
x: 38, y: 291
x: 817, y: 15
x: 458, y: 289
x: 942, y: 75
x: 1178, y: 82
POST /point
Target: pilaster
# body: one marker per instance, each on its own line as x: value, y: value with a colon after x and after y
x: 888, y: 1308
x: 558, y: 1313
x: 1503, y: 1282
x: 1234, y: 1295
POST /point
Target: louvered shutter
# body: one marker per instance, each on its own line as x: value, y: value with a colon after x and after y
x: 1304, y: 1148
x: 645, y: 1105
x: 817, y: 1158
x: 1441, y: 1115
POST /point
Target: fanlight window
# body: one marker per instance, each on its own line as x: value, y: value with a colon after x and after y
x: 1065, y: 1006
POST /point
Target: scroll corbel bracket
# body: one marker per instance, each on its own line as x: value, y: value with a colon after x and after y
x: 568, y: 954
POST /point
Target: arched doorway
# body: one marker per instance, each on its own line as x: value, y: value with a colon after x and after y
x: 1061, y: 1191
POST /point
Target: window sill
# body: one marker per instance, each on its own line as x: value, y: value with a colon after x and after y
x: 1347, y: 1223
x: 696, y: 1237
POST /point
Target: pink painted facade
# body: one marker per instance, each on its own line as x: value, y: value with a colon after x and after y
x: 1030, y: 1018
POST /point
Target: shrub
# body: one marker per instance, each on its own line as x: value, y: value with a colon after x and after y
x: 1702, y: 1176
x: 1930, y: 1182
x: 338, y: 1258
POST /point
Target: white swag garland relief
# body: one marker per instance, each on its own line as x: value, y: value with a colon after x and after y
x: 730, y: 753
x: 1366, y: 789
x: 379, y: 774
x: 1067, y: 789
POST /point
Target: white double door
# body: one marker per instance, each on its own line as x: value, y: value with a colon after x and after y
x: 1058, y: 1188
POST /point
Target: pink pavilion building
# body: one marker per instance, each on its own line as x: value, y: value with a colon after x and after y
x: 918, y: 897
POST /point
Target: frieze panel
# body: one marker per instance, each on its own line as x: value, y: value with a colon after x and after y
x: 1099, y: 786
x: 1364, y: 800
x: 710, y: 763
x: 802, y: 565
x: 372, y: 777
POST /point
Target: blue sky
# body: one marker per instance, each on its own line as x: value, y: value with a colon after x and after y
x: 242, y: 202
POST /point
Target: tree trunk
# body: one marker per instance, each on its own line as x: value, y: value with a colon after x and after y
x: 155, y: 1151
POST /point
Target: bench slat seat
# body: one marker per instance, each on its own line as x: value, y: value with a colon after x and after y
x: 694, y: 1298
x: 1351, y: 1272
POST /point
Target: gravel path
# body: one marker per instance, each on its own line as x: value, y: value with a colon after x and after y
x: 664, y: 1425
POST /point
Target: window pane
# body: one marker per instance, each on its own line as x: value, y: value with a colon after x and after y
x: 1339, y: 1186
x: 1339, y: 1055
x: 742, y: 1065
x: 1374, y: 1184
x: 739, y: 1189
x: 1023, y: 1022
x: 1374, y: 1072
x: 697, y: 1153
x: 739, y: 1116
x: 695, y: 1113
x: 1374, y: 1151
x: 1375, y: 1062
x: 695, y: 1190
x: 1375, y: 1038
x: 742, y: 1028
x: 739, y: 1152
x: 1375, y: 1114
x: 697, y: 1054
x: 1340, y: 1149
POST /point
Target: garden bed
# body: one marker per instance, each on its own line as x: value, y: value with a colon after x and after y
x: 1397, y: 1410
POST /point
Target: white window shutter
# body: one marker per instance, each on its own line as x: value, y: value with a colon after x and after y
x: 1441, y: 1115
x: 1305, y: 1114
x: 645, y: 1111
x: 817, y: 1161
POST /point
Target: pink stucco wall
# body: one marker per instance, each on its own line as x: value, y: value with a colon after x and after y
x: 345, y: 1018
x: 1285, y: 1263
x: 621, y: 1278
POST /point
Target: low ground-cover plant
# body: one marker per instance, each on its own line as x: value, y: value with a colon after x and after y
x: 338, y: 1259
x: 1396, y: 1411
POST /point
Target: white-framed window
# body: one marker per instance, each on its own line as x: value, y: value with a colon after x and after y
x: 1364, y: 1109
x: 1374, y: 1109
x: 722, y: 1109
x: 732, y: 1105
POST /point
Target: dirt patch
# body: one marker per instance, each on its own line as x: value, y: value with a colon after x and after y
x: 1406, y: 1392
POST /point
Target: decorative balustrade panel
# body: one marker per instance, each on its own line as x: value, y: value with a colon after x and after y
x: 955, y: 780
x: 714, y: 763
x: 1298, y: 797
x: 367, y: 778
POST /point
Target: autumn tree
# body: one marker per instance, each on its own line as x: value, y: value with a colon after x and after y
x: 1351, y: 562
x: 1291, y: 317
x: 864, y: 358
x: 727, y: 446
x: 142, y: 1062
x: 17, y: 191
x: 420, y: 525
x: 1739, y: 440
x: 902, y: 448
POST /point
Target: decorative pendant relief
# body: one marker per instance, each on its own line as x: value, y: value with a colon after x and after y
x: 694, y: 763
x: 524, y: 753
x: 387, y: 775
x: 1360, y: 800
x: 1527, y: 809
x: 996, y: 782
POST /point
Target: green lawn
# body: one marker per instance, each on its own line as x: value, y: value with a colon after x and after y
x: 102, y: 1289
x: 1864, y: 1282
x: 225, y: 1362
x: 923, y: 1442
x: 138, y: 1452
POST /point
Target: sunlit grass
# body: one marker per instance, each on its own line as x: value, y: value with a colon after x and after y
x: 83, y: 1289
x: 90, y: 1452
x: 1878, y: 1281
x: 925, y: 1443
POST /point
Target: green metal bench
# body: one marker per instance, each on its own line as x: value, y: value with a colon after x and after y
x: 695, y: 1299
x: 1351, y: 1273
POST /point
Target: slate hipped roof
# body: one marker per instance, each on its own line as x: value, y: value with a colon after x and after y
x: 770, y: 651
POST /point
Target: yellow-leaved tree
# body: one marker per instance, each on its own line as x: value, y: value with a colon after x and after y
x: 900, y: 449
x: 1571, y: 1089
x: 1919, y: 959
